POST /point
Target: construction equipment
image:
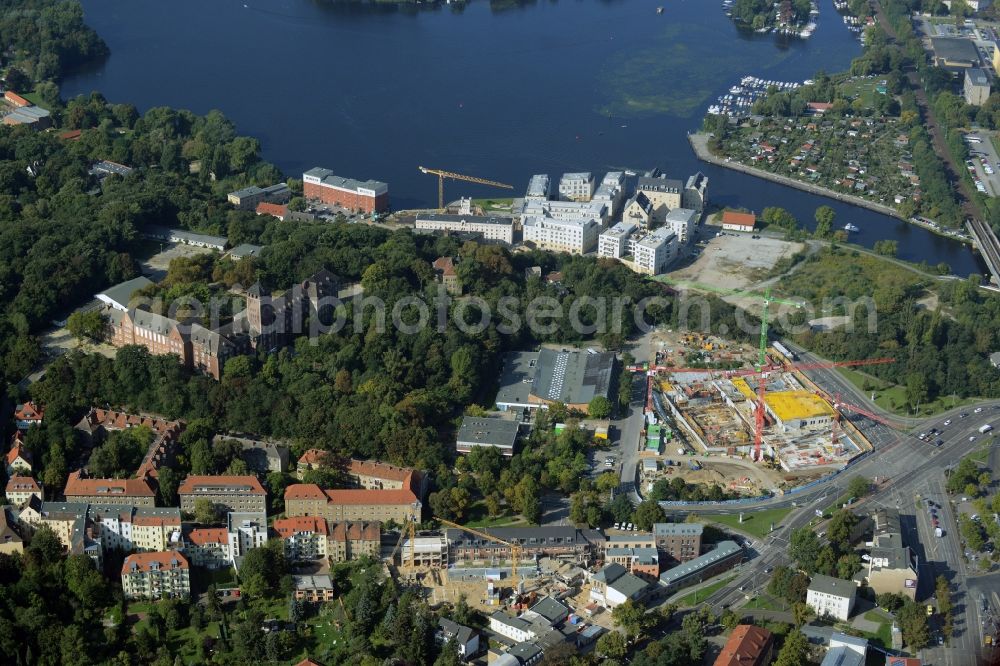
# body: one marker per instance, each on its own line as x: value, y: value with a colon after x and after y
x: 457, y: 176
x: 515, y: 548
x: 411, y: 530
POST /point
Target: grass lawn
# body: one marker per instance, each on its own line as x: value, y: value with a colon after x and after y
x: 703, y: 593
x: 201, y: 578
x: 757, y: 523
x: 863, y: 88
x: 33, y: 98
x: 981, y: 456
x: 479, y: 517
x: 892, y: 397
x: 884, y: 633
x: 493, y: 204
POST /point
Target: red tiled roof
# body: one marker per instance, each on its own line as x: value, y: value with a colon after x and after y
x: 355, y: 531
x: 378, y: 497
x: 71, y: 135
x: 287, y: 527
x: 820, y: 106
x: 203, y: 536
x: 739, y: 219
x: 23, y: 484
x: 29, y: 411
x: 144, y: 561
x: 313, y: 457
x: 379, y: 470
x: 77, y: 486
x: 156, y: 521
x: 308, y: 662
x: 15, y: 452
x: 16, y: 99
x: 301, y: 491
x: 445, y: 265
x: 277, y: 210
x: 236, y: 483
x: 746, y: 645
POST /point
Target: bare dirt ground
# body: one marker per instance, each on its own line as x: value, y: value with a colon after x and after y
x: 732, y: 261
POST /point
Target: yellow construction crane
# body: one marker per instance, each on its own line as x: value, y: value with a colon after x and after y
x: 457, y: 176
x: 515, y: 548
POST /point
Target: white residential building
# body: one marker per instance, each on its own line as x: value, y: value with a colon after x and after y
x: 563, y: 226
x: 492, y: 228
x: 832, y: 596
x: 539, y: 188
x: 611, y: 191
x: 681, y: 221
x: 247, y: 529
x: 652, y: 253
x: 576, y: 186
x: 614, y: 242
x: 514, y: 628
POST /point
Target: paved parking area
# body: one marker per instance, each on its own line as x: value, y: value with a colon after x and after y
x: 984, y: 159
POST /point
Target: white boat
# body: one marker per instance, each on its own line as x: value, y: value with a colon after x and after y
x: 851, y: 228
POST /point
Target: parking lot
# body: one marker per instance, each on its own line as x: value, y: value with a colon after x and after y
x: 984, y: 163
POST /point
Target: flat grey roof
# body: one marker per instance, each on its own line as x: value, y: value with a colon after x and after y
x: 246, y: 250
x: 122, y: 293
x: 481, y: 431
x: 977, y: 77
x: 516, y: 377
x: 678, y: 529
x: 833, y: 586
x: 954, y: 49
x: 722, y: 550
x: 550, y: 609
x: 327, y: 177
x: 842, y: 656
x: 629, y: 585
x: 572, y: 377
x: 315, y: 582
x: 468, y: 219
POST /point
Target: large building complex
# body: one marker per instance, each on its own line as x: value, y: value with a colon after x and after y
x: 725, y: 555
x: 652, y: 253
x: 370, y: 196
x: 552, y: 541
x: 385, y: 493
x: 490, y: 227
x: 226, y: 493
x: 679, y: 541
x: 614, y: 243
x: 268, y: 321
x: 576, y: 186
x: 534, y: 380
x: 135, y: 492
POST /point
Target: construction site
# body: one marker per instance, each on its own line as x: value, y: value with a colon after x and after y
x: 749, y: 430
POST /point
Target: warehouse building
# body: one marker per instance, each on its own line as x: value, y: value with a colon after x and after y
x: 370, y: 196
x: 480, y: 431
x: 725, y: 555
x: 534, y: 380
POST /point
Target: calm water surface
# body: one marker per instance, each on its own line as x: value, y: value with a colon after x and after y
x: 499, y: 90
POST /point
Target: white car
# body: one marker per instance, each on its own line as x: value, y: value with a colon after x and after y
x: 978, y: 409
x: 972, y: 438
x: 948, y: 422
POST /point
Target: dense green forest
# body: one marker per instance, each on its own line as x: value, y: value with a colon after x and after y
x: 44, y: 39
x: 64, y: 235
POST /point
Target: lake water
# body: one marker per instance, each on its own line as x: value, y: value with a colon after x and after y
x: 498, y: 90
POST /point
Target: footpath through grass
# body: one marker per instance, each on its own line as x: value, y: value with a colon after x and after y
x: 757, y: 523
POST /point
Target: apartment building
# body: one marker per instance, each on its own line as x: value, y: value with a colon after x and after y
x: 68, y: 520
x: 489, y: 226
x: 133, y: 492
x: 20, y: 489
x: 10, y: 537
x: 664, y: 194
x: 312, y: 459
x: 831, y: 596
x: 247, y: 529
x: 613, y: 585
x: 160, y: 575
x: 18, y: 460
x: 226, y: 493
x: 308, y: 499
x: 679, y: 541
x: 891, y: 566
x: 723, y: 557
x: 695, y: 195
x: 638, y: 210
x: 576, y: 186
x: 248, y: 198
x: 577, y: 236
x: 27, y: 414
x: 683, y: 222
x: 569, y: 543
x: 539, y: 188
x: 262, y: 456
x: 652, y: 253
x: 305, y: 537
x: 353, y: 539
x: 748, y: 645
x: 643, y: 562
x: 611, y: 191
x: 976, y: 86
x: 139, y: 528
x: 208, y: 547
x: 375, y: 475
x: 614, y: 242
x: 162, y: 450
x: 313, y: 589
x: 370, y: 196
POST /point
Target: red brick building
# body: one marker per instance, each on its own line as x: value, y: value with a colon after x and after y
x: 370, y: 196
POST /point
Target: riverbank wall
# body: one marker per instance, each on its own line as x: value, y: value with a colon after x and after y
x: 699, y: 143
